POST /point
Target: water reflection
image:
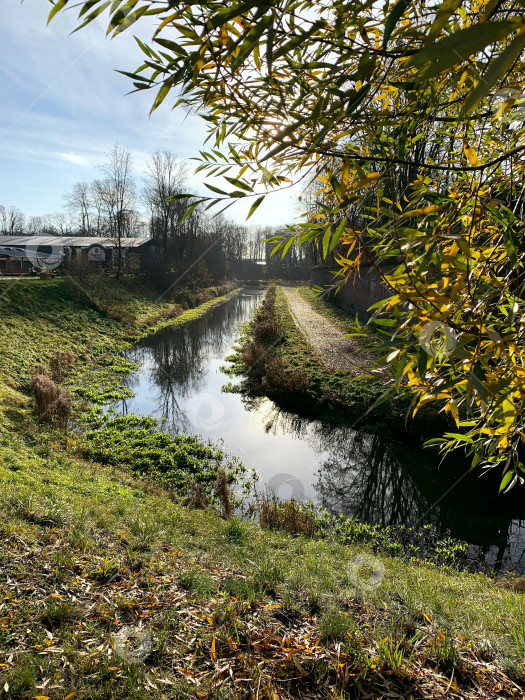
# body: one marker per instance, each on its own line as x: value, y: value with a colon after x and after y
x: 346, y: 471
x: 394, y: 483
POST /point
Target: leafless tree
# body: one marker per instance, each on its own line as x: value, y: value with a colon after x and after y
x: 34, y: 225
x: 119, y: 192
x: 165, y: 177
x: 59, y: 224
x: 78, y: 202
x: 12, y: 221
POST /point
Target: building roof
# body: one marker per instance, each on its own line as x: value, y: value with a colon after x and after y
x: 69, y: 241
x: 31, y: 254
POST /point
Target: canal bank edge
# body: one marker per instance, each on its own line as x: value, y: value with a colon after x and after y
x: 280, y: 363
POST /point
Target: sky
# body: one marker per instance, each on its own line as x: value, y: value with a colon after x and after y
x: 64, y: 105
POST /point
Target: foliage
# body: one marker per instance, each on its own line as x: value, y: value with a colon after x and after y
x: 411, y: 119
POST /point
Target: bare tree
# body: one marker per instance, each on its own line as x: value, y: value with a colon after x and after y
x: 12, y: 221
x: 59, y: 224
x: 165, y: 176
x: 34, y: 225
x: 78, y: 202
x: 118, y: 192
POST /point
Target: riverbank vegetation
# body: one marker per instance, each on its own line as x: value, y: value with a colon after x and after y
x: 276, y: 360
x: 112, y: 588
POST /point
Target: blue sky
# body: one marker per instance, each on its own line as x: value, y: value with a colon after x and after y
x: 63, y: 106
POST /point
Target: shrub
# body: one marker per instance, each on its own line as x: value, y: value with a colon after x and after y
x: 290, y: 516
x: 197, y: 496
x: 45, y: 393
x: 184, y: 297
x: 52, y: 403
x: 204, y: 296
x: 61, y: 364
x: 266, y: 331
x: 222, y: 491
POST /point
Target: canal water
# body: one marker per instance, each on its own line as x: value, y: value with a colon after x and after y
x: 347, y: 471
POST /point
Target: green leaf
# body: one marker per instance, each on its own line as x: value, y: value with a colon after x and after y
x: 393, y: 18
x: 251, y: 41
x: 255, y: 206
x: 59, y: 5
x: 337, y: 235
x: 93, y: 15
x: 161, y: 96
x: 229, y: 13
x: 326, y: 241
x: 239, y: 183
x: 287, y: 246
x: 506, y: 480
x: 459, y: 46
x: 298, y: 39
x: 215, y: 189
x: 458, y: 436
x: 189, y: 211
x: 382, y: 399
x: 495, y: 71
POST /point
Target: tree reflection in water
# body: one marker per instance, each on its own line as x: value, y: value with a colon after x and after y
x: 176, y: 362
x: 386, y: 482
x: 376, y: 480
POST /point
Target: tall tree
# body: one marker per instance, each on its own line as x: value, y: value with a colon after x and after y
x: 78, y: 202
x: 118, y: 193
x: 165, y: 177
x: 12, y: 221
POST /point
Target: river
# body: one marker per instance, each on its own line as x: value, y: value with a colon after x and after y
x: 347, y: 471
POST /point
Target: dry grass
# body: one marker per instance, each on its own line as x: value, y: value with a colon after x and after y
x: 289, y: 516
x: 222, y: 491
x: 52, y: 403
x: 61, y: 364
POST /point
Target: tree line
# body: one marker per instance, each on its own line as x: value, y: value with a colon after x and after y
x: 116, y: 205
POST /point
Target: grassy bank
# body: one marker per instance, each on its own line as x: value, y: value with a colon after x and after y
x: 277, y: 361
x: 38, y: 317
x: 224, y: 608
x: 76, y: 344
x: 112, y: 586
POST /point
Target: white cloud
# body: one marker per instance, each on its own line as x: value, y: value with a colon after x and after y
x: 73, y: 158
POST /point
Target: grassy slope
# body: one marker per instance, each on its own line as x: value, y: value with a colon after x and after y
x: 86, y: 550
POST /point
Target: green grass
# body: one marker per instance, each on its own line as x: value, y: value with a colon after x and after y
x: 38, y: 317
x: 88, y: 551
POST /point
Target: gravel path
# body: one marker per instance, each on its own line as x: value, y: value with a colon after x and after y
x: 336, y: 350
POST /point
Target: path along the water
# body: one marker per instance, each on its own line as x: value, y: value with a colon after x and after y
x: 335, y: 348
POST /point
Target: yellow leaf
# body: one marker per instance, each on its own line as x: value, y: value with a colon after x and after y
x: 508, y: 412
x: 471, y: 154
x: 41, y: 697
x: 431, y: 209
x: 213, y: 655
x: 71, y: 695
x: 453, y: 408
x: 345, y: 175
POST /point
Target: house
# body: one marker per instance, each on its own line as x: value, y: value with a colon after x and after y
x: 23, y: 254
